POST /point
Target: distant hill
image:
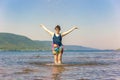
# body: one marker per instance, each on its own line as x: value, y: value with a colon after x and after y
x: 10, y: 41
x: 118, y: 49
x: 75, y: 47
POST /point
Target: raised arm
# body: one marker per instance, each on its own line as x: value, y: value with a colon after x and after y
x: 47, y: 30
x: 67, y: 32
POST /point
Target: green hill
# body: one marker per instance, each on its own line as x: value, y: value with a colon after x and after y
x: 10, y: 41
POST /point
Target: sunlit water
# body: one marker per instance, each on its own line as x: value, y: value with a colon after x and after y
x: 76, y: 66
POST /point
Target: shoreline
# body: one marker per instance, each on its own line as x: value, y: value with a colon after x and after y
x: 64, y: 50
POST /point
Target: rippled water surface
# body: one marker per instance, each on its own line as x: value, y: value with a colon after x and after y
x: 76, y: 66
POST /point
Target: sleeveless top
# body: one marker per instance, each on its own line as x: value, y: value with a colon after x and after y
x: 57, y: 40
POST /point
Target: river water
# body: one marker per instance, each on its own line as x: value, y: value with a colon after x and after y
x: 77, y: 65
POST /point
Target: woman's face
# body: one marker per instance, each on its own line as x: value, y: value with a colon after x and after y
x: 57, y: 30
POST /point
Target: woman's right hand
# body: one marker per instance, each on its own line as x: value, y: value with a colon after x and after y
x: 41, y: 25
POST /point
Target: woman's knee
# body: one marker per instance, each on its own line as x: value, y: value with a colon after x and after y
x: 60, y: 54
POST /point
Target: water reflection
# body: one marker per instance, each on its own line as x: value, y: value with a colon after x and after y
x: 57, y: 70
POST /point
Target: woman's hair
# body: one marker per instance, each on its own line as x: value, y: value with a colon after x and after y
x: 57, y: 27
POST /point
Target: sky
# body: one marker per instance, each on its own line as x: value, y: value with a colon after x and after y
x: 98, y: 20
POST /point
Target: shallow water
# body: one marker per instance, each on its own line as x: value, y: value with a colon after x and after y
x: 76, y: 66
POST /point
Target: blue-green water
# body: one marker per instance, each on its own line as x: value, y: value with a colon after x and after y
x: 77, y: 66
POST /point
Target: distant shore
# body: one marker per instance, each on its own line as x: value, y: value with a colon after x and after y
x: 14, y: 42
x: 64, y: 50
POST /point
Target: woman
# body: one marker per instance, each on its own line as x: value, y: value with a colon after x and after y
x: 57, y: 47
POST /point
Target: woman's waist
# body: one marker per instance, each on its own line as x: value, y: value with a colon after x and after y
x: 57, y: 45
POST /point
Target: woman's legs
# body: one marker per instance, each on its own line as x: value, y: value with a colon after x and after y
x: 56, y: 59
x: 60, y: 57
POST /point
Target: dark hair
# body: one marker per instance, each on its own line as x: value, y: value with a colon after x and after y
x: 58, y: 27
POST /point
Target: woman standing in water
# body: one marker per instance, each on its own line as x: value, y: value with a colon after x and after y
x: 57, y: 46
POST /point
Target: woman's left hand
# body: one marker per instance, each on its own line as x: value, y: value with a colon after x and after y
x: 75, y: 27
